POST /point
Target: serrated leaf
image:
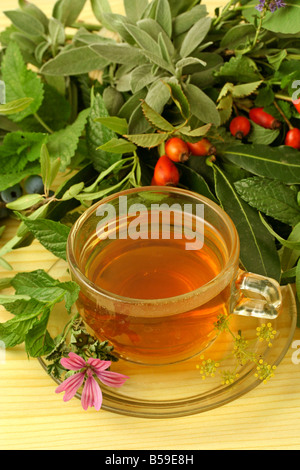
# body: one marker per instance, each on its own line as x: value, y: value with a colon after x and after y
x: 98, y: 134
x: 258, y: 253
x: 246, y: 89
x: 156, y: 120
x: 195, y: 36
x: 20, y: 82
x: 271, y: 197
x: 63, y: 144
x: 52, y: 235
x: 147, y: 140
x: 199, y: 132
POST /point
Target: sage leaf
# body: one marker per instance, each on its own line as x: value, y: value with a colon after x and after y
x: 201, y: 105
x: 119, y: 53
x: 135, y: 8
x: 271, y: 197
x: 258, y: 253
x: 195, y: 36
x: 163, y: 16
x: 141, y: 77
x: 25, y: 22
x: 280, y: 163
x: 74, y: 61
x: 67, y: 11
x: 179, y: 98
x: 186, y: 20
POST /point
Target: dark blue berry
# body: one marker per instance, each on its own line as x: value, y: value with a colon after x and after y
x: 11, y: 194
x: 34, y: 185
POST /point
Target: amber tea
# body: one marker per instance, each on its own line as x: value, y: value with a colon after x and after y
x: 148, y: 268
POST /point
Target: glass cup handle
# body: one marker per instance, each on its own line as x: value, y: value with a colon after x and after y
x: 259, y: 296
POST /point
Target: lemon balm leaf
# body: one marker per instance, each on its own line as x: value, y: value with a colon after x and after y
x: 20, y: 82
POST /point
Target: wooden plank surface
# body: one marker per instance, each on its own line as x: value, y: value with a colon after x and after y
x: 32, y: 416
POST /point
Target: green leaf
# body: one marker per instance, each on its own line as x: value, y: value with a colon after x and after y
x: 25, y: 22
x: 195, y: 182
x: 135, y: 8
x: 100, y: 7
x: 73, y: 191
x: 179, y: 98
x: 15, y: 106
x: 186, y: 20
x: 67, y: 11
x: 237, y: 35
x: 260, y: 135
x: 25, y: 202
x: 239, y: 69
x: 20, y: 82
x: 195, y: 36
x: 143, y: 39
x: 147, y: 140
x: 98, y: 134
x: 258, y: 253
x: 49, y: 167
x: 291, y: 243
x: 271, y: 197
x: 246, y: 89
x: 155, y: 119
x: 281, y: 163
x: 63, y: 144
x: 280, y: 21
x: 74, y: 61
x: 38, y: 341
x: 141, y: 77
x: 40, y: 286
x: 119, y: 53
x: 52, y: 235
x: 201, y: 105
x: 114, y: 123
x: 163, y: 16
x: 118, y: 146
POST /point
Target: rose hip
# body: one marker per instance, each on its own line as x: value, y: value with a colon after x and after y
x: 177, y: 150
x: 202, y: 148
x: 260, y: 117
x: 292, y: 138
x: 165, y: 173
x: 240, y: 127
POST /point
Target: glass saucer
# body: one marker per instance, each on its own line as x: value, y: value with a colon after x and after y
x: 179, y: 389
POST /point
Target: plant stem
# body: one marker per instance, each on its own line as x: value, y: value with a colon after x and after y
x: 259, y: 28
x: 45, y: 126
x: 283, y: 115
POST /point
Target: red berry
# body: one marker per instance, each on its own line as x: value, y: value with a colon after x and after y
x: 240, y: 127
x: 177, y: 150
x: 260, y: 117
x: 202, y: 148
x: 292, y: 138
x: 165, y: 173
x: 297, y: 105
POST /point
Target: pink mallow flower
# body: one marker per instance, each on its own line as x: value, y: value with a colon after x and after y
x: 87, y: 370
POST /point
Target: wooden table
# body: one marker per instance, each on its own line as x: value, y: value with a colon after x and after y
x: 33, y: 417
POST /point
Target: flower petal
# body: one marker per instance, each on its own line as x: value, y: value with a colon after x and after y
x: 112, y: 379
x: 71, y: 385
x: 91, y: 394
x: 98, y: 365
x: 74, y: 362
